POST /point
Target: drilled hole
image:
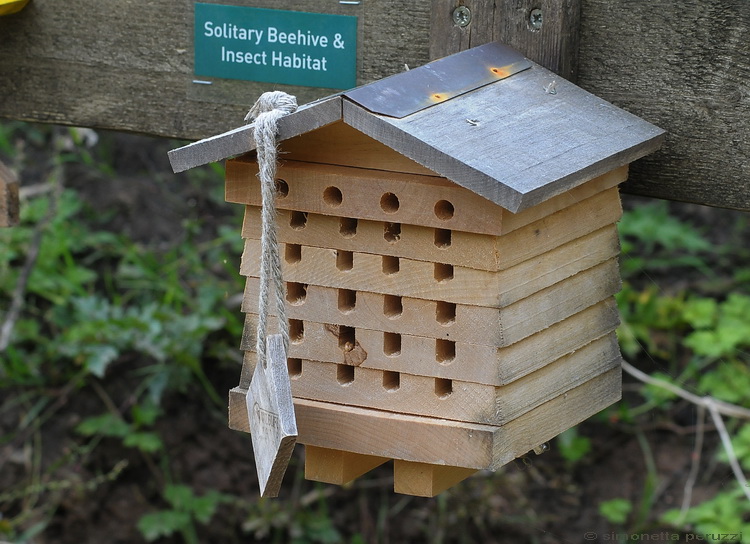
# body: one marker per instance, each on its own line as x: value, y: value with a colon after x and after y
x: 445, y: 351
x: 392, y: 306
x: 389, y: 203
x: 391, y: 344
x: 282, y: 188
x: 293, y: 253
x: 294, y: 366
x: 445, y: 313
x: 347, y: 227
x: 344, y: 260
x: 347, y: 300
x: 443, y: 387
x: 390, y: 264
x: 444, y: 210
x: 347, y: 338
x: 298, y: 220
x: 296, y: 293
x: 296, y: 331
x: 442, y: 238
x: 391, y: 380
x: 332, y: 196
x: 344, y: 374
x: 392, y: 232
x: 443, y: 272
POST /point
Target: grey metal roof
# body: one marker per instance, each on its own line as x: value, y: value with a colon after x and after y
x: 516, y: 141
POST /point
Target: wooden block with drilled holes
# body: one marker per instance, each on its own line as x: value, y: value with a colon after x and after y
x: 9, y: 212
x: 449, y: 321
x: 438, y: 441
x: 448, y: 398
x: 446, y: 359
x: 437, y: 281
x: 336, y: 466
x: 481, y: 251
x: 425, y: 480
x: 429, y: 201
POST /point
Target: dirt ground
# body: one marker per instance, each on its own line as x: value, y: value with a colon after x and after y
x: 98, y: 496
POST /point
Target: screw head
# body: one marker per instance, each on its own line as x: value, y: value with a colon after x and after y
x: 461, y: 16
x: 535, y: 19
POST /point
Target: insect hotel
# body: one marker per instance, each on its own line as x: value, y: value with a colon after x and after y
x: 450, y: 251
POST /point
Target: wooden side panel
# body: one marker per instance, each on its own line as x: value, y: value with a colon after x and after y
x: 425, y: 480
x: 484, y: 252
x: 455, y: 284
x: 436, y: 441
x: 9, y: 207
x: 337, y: 467
x: 457, y: 322
x: 454, y: 399
x: 469, y: 362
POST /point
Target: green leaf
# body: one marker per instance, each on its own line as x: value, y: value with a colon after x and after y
x: 700, y: 313
x: 165, y: 523
x: 572, y: 446
x: 179, y: 496
x: 104, y: 425
x: 616, y: 510
x: 144, y: 441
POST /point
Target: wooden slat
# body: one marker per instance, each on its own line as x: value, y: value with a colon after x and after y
x: 425, y: 480
x: 9, y: 207
x: 484, y: 252
x: 336, y: 466
x: 436, y: 441
x: 456, y: 399
x: 419, y: 279
x: 460, y: 323
x: 471, y: 362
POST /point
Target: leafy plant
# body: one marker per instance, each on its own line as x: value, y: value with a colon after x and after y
x: 616, y: 510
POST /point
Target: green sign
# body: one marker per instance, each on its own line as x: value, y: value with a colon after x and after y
x: 292, y: 47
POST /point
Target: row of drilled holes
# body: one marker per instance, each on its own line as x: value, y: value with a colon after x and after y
x: 445, y: 350
x: 393, y: 306
x: 391, y: 379
x: 391, y: 265
x: 391, y: 231
x: 389, y: 202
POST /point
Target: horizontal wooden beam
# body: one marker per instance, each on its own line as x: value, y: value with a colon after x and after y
x: 128, y: 66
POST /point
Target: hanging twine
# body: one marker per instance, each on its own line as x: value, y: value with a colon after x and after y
x: 267, y: 111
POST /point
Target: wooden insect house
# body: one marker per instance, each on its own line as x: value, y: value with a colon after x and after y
x: 450, y: 255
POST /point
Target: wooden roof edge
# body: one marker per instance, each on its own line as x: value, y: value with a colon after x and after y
x: 240, y: 140
x: 621, y: 158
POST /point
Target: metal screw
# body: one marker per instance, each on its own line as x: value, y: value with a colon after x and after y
x: 535, y: 19
x: 461, y: 16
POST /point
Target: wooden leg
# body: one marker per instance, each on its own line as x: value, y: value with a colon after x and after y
x: 337, y: 467
x: 425, y: 480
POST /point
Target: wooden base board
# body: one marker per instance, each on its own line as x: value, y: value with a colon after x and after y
x: 430, y: 201
x: 435, y: 358
x: 425, y: 480
x: 336, y: 466
x: 480, y: 251
x: 437, y: 441
x: 435, y: 281
x: 479, y: 325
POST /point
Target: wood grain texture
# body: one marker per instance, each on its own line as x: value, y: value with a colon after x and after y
x: 425, y: 480
x: 686, y: 70
x: 458, y: 400
x: 128, y: 65
x: 460, y: 323
x: 470, y: 362
x: 436, y: 441
x: 483, y: 252
x: 336, y: 466
x: 418, y: 279
x: 9, y: 205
